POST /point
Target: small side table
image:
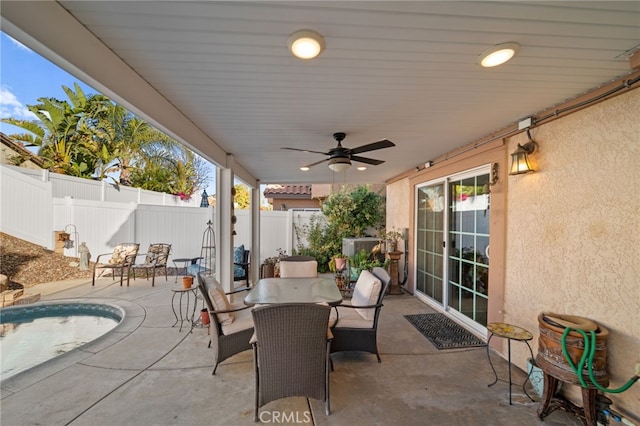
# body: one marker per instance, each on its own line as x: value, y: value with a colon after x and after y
x: 509, y: 332
x: 186, y: 261
x: 184, y: 316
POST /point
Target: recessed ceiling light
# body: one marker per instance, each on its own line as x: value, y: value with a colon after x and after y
x: 305, y: 44
x: 498, y: 54
x: 361, y: 168
x: 304, y: 168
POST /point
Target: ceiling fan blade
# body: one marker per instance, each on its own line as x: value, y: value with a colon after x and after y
x: 317, y: 162
x: 366, y: 160
x: 306, y: 150
x: 372, y: 146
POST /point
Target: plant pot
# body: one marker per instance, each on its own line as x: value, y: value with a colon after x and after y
x: 268, y: 271
x: 341, y: 263
x: 187, y: 282
x: 355, y: 273
x: 204, y: 315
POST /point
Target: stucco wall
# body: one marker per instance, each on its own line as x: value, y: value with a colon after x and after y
x: 573, y: 232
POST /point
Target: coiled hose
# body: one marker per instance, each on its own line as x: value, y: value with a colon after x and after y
x: 587, y: 356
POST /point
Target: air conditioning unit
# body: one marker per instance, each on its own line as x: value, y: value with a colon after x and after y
x: 351, y: 246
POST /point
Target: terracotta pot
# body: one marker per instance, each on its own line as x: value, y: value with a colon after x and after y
x: 204, y: 315
x: 341, y: 263
x: 551, y: 357
x: 187, y: 282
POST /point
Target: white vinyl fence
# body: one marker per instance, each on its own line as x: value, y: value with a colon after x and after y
x: 33, y: 209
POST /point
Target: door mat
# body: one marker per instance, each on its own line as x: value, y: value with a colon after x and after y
x: 443, y: 332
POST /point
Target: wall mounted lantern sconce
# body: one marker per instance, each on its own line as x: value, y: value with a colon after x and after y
x: 520, y: 160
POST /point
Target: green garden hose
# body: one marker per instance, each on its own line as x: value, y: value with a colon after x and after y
x: 587, y: 356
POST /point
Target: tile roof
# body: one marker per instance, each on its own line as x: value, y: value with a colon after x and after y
x: 288, y: 191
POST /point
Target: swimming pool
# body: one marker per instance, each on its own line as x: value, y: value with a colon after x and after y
x: 33, y: 334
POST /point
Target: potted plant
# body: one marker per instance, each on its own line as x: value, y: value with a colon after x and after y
x: 270, y: 266
x: 267, y: 269
x: 392, y: 237
x: 358, y: 263
x: 337, y: 265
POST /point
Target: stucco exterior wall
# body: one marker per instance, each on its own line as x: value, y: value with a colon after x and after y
x: 564, y: 239
x: 573, y: 231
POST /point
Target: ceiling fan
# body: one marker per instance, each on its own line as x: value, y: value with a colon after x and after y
x: 340, y: 158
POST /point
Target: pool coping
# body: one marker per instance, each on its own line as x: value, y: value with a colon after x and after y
x: 133, y: 316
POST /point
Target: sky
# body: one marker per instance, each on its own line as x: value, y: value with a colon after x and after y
x: 26, y: 76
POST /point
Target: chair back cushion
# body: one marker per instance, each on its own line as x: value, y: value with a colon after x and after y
x: 304, y: 269
x: 221, y: 303
x: 215, y: 298
x: 366, y: 292
x: 158, y: 254
x: 238, y: 257
x: 124, y: 254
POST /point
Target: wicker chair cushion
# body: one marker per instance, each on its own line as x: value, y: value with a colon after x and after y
x: 243, y: 320
x: 366, y: 293
x: 221, y: 303
x: 120, y: 253
x: 348, y: 318
x: 304, y: 269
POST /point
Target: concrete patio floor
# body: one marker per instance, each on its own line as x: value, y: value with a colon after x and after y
x: 146, y: 372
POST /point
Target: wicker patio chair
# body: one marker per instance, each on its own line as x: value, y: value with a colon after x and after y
x: 231, y: 325
x: 156, y: 257
x: 356, y: 325
x: 291, y: 352
x: 123, y: 257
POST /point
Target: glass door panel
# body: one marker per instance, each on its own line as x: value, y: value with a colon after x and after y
x: 469, y: 247
x: 429, y: 241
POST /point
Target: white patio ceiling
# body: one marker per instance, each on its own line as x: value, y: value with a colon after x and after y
x: 218, y: 75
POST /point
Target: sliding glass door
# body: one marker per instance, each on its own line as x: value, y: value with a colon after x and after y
x: 452, y: 243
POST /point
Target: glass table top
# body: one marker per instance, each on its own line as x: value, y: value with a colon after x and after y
x: 294, y: 290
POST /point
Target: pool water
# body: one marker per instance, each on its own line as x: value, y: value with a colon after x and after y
x: 30, y: 335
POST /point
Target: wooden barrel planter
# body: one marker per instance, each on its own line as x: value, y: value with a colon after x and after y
x: 551, y: 358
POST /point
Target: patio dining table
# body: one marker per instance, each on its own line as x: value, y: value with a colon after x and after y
x: 294, y: 290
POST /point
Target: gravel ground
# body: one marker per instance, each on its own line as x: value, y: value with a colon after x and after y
x: 27, y: 264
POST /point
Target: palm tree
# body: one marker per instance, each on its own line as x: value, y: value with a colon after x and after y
x: 92, y: 137
x: 59, y: 131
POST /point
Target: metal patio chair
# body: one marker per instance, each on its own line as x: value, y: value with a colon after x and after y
x: 156, y: 257
x: 123, y: 257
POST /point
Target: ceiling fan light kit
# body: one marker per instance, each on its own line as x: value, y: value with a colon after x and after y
x: 339, y: 164
x: 498, y: 54
x: 305, y: 44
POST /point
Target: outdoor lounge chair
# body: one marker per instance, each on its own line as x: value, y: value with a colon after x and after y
x: 156, y: 257
x: 355, y: 325
x: 291, y: 352
x: 122, y: 257
x: 231, y: 325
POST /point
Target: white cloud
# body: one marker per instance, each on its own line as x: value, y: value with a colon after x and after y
x: 11, y: 107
